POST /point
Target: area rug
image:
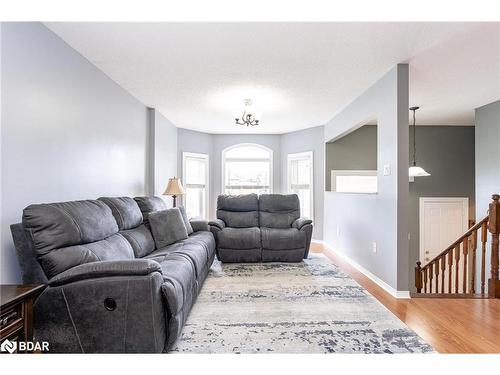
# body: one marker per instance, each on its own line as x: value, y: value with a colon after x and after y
x: 307, y: 307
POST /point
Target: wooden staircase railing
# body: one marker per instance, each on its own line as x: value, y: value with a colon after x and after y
x: 449, y: 274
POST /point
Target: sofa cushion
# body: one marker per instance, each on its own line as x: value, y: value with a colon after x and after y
x: 239, y: 255
x: 178, y: 290
x: 148, y: 205
x: 199, y: 247
x: 204, y: 239
x: 167, y: 227
x: 238, y: 203
x: 179, y: 281
x: 189, y: 228
x: 283, y: 239
x: 115, y: 247
x: 57, y: 225
x: 238, y: 211
x: 239, y: 238
x: 278, y: 211
x: 141, y: 240
x: 125, y: 211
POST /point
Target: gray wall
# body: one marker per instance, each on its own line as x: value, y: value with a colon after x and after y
x: 487, y: 156
x: 67, y: 130
x: 307, y: 140
x: 447, y: 153
x: 355, y: 151
x: 354, y: 214
x: 163, y: 138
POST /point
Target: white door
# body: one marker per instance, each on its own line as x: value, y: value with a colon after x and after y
x: 442, y: 221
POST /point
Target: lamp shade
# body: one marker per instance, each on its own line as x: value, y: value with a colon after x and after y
x: 415, y: 171
x: 174, y: 187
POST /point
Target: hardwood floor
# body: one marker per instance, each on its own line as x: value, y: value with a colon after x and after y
x: 449, y: 325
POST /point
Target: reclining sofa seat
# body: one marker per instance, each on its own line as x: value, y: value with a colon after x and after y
x: 267, y: 228
x: 285, y: 236
x: 237, y: 229
x: 109, y: 288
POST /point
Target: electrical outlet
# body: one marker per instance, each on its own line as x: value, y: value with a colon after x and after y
x: 374, y: 247
x: 387, y: 169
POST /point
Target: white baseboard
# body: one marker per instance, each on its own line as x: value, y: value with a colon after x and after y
x: 400, y: 294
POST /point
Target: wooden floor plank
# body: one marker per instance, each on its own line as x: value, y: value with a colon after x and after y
x: 449, y: 325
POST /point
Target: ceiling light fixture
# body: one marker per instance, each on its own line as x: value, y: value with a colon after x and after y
x: 248, y: 118
x: 414, y: 170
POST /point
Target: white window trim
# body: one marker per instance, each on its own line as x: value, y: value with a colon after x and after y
x: 207, y: 176
x: 223, y: 162
x: 302, y: 155
x: 337, y: 172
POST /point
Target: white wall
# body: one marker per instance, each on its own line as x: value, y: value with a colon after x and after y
x: 382, y: 218
x: 311, y: 139
x: 487, y: 121
x: 67, y: 130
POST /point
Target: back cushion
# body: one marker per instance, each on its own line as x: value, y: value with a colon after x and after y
x: 238, y: 211
x: 125, y: 211
x: 278, y: 210
x: 115, y: 247
x: 129, y: 217
x: 67, y: 234
x: 55, y: 225
x: 141, y: 240
x: 148, y: 205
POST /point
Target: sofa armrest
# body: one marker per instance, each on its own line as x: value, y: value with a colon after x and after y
x: 218, y: 223
x: 120, y: 309
x: 95, y: 270
x: 300, y: 222
x: 199, y: 225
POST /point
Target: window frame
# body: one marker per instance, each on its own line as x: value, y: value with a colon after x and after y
x: 206, y: 157
x: 300, y: 156
x: 223, y: 162
x: 351, y: 172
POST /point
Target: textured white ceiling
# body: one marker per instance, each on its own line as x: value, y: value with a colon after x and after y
x: 298, y: 75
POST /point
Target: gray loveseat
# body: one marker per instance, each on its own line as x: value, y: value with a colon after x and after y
x: 109, y: 288
x: 264, y: 228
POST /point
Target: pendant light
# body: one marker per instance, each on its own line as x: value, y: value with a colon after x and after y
x: 414, y: 170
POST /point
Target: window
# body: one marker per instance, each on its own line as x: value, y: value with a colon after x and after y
x: 195, y: 176
x: 354, y: 181
x: 247, y: 168
x: 300, y: 180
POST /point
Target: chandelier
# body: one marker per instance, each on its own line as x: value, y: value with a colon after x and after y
x: 248, y: 118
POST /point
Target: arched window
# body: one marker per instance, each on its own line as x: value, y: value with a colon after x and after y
x: 247, y: 168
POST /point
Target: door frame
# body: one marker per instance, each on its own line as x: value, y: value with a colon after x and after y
x: 421, y: 220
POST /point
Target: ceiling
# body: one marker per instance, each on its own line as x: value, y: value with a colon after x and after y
x: 298, y: 75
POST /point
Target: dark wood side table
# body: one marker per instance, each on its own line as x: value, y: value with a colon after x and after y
x: 16, y: 312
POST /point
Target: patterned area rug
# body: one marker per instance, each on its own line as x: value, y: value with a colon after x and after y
x: 308, y: 307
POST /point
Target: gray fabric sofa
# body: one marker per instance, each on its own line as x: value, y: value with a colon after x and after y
x: 264, y: 228
x: 108, y: 288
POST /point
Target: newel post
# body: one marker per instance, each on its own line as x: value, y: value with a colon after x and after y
x: 494, y: 228
x: 418, y: 277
